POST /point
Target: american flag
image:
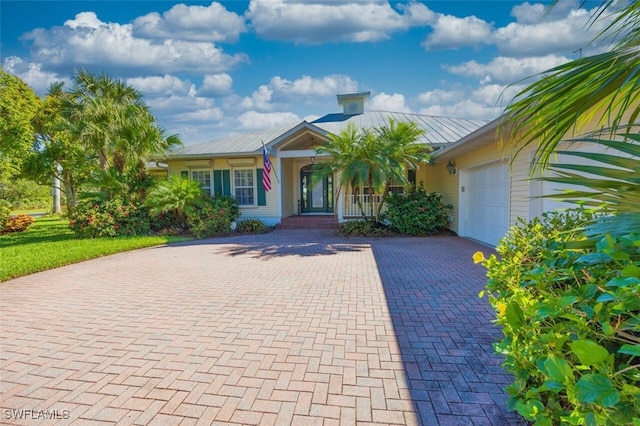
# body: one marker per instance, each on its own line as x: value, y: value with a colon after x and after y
x: 266, y: 169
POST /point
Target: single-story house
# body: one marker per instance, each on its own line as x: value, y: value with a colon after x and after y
x: 469, y: 170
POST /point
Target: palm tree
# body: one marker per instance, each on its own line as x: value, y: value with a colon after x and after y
x: 604, y: 88
x: 174, y: 196
x: 373, y: 159
x: 111, y: 118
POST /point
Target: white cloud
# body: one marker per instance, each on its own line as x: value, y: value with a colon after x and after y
x: 86, y: 41
x: 260, y: 99
x: 564, y: 31
x: 505, y: 70
x: 253, y: 120
x: 318, y: 22
x: 441, y: 96
x: 467, y: 108
x: 211, y: 23
x: 32, y: 74
x: 216, y: 85
x: 202, y: 114
x: 166, y: 85
x: 308, y: 86
x: 451, y: 32
x: 385, y: 102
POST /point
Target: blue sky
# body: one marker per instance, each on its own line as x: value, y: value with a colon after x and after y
x: 209, y: 69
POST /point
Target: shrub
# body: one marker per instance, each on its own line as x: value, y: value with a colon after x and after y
x: 570, y: 313
x: 99, y: 218
x: 212, y: 216
x: 363, y: 228
x: 173, y: 199
x: 252, y: 226
x: 418, y: 212
x: 17, y: 223
x: 5, y: 211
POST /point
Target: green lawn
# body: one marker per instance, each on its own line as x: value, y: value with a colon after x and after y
x: 49, y: 243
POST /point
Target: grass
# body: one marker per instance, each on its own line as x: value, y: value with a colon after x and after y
x: 29, y: 211
x: 49, y: 243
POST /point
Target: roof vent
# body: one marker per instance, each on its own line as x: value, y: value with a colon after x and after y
x: 353, y: 103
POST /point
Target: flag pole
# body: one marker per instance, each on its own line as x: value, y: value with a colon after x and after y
x: 264, y: 148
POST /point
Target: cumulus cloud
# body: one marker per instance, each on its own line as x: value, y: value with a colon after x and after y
x: 216, y: 85
x: 259, y: 99
x: 32, y: 74
x: 253, y: 120
x: 505, y: 70
x: 213, y: 23
x: 166, y: 85
x: 549, y: 36
x: 309, y: 86
x: 86, y: 40
x: 318, y: 22
x: 441, y: 96
x: 451, y: 32
x: 385, y: 102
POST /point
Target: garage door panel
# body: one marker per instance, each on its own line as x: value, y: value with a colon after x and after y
x: 487, y: 198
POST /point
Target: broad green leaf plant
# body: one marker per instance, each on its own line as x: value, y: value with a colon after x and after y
x: 566, y: 288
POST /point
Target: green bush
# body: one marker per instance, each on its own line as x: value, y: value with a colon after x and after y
x: 213, y: 216
x: 418, y: 212
x: 363, y: 228
x: 570, y: 314
x: 24, y: 194
x: 98, y: 218
x: 252, y: 226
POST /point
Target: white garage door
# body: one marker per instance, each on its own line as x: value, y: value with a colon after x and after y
x: 486, y: 202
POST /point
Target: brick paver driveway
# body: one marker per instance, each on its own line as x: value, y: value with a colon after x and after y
x: 292, y: 327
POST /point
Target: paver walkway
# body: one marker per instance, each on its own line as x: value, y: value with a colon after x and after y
x: 291, y: 327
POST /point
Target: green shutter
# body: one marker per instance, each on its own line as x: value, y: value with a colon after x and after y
x: 262, y: 194
x: 411, y: 174
x: 226, y: 182
x: 217, y: 182
x: 184, y: 174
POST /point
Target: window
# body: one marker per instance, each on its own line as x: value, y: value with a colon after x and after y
x: 203, y: 177
x: 244, y: 186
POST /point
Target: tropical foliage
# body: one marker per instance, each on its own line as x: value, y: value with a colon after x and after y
x: 571, y: 319
x: 212, y: 216
x: 175, y: 197
x: 18, y: 107
x: 371, y: 160
x: 566, y: 289
x: 418, y: 212
x: 602, y: 90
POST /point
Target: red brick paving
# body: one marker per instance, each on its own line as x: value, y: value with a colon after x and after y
x: 291, y: 327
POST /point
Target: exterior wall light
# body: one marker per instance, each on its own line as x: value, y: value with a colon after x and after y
x: 451, y: 168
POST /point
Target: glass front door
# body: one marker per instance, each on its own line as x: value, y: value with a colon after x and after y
x: 316, y: 197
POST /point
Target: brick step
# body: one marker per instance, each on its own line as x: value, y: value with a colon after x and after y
x: 309, y: 222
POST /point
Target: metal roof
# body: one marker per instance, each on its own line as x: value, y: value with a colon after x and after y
x: 438, y: 131
x: 242, y: 143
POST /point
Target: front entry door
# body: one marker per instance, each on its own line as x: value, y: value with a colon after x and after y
x: 318, y: 197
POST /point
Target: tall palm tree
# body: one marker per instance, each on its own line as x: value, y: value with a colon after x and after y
x: 112, y: 118
x: 603, y: 88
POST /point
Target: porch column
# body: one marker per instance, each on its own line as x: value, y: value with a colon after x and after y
x: 339, y: 199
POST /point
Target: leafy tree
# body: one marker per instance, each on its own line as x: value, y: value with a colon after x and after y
x: 111, y: 119
x: 373, y: 159
x: 18, y: 106
x: 604, y: 88
x: 57, y: 153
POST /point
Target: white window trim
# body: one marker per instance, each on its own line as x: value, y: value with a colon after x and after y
x: 255, y: 187
x: 210, y: 178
